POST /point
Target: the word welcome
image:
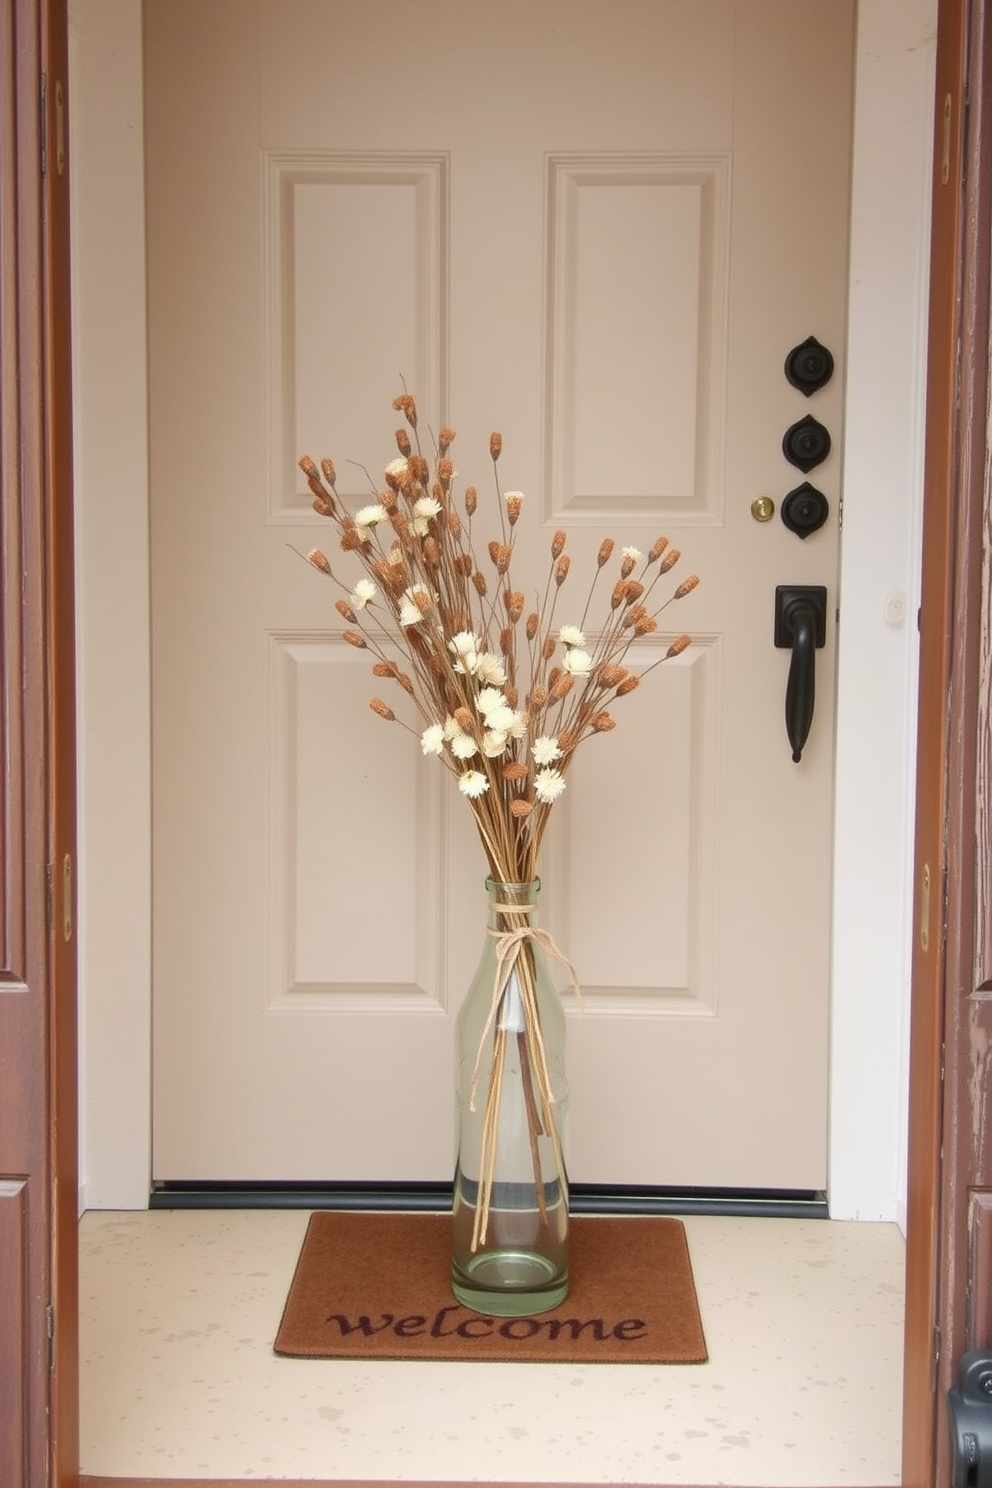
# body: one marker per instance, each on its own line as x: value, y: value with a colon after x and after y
x: 515, y: 1330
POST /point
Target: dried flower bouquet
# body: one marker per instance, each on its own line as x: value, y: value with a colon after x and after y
x: 505, y: 689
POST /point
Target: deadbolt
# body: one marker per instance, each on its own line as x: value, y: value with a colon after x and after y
x: 809, y: 366
x: 805, y: 510
x: 806, y: 443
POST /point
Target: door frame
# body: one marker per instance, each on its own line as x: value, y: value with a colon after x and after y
x: 937, y: 627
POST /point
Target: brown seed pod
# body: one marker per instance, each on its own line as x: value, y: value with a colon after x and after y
x: 403, y: 442
x: 464, y: 719
x: 317, y: 558
x: 605, y: 551
x: 521, y: 808
x: 612, y: 675
x: 670, y: 559
x: 471, y: 499
x: 561, y: 569
x: 383, y: 709
x: 680, y: 644
x: 322, y: 506
x: 354, y: 639
x: 558, y: 544
x: 603, y: 722
x: 533, y: 621
x: 514, y: 603
x: 515, y: 770
x: 657, y: 548
x: 345, y: 611
x: 404, y: 404
x: 495, y: 445
x: 308, y: 466
x: 629, y: 684
x: 445, y: 439
x: 686, y: 586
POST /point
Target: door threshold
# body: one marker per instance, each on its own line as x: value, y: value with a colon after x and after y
x: 584, y: 1198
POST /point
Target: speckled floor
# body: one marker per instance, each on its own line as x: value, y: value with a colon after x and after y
x: 803, y: 1322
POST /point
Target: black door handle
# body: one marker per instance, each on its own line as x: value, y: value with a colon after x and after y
x: 800, y: 625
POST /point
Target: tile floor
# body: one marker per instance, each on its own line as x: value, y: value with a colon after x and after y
x: 803, y: 1321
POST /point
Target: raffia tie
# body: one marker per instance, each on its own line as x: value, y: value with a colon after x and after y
x: 509, y: 944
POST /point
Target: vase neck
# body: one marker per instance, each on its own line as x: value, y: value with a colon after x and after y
x: 512, y: 904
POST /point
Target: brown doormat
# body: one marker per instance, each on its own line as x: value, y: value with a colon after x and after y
x: 376, y: 1286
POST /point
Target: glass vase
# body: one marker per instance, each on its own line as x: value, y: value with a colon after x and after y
x: 510, y: 1216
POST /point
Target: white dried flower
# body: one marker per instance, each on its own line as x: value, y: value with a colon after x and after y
x: 432, y: 739
x: 424, y: 511
x: 488, y: 699
x: 397, y: 469
x: 490, y: 669
x: 463, y: 746
x: 545, y: 750
x: 473, y: 783
x: 370, y: 516
x: 519, y: 725
x: 493, y: 743
x: 363, y: 593
x: 411, y: 612
x: 578, y: 662
x: 465, y: 646
x: 548, y: 785
x: 502, y: 718
x: 571, y: 635
x: 634, y: 554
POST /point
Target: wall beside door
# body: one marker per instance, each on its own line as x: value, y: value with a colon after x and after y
x: 877, y: 692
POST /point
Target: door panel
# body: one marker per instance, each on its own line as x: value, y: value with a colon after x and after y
x: 601, y: 238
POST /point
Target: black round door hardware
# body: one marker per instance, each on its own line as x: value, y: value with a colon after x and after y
x: 809, y: 366
x: 805, y: 510
x: 806, y: 443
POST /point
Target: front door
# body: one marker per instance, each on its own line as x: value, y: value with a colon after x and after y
x: 599, y: 229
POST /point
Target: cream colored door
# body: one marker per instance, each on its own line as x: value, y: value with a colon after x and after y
x: 598, y: 228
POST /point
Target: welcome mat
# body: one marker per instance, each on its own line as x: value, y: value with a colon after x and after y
x: 376, y: 1286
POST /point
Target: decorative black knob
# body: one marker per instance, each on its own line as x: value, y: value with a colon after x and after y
x: 805, y: 510
x: 809, y: 366
x: 806, y: 443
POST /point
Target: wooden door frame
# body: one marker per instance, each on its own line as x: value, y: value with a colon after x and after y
x: 39, y: 1349
x: 950, y: 874
x: 42, y: 47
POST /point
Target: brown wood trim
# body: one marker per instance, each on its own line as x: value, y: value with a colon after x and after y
x: 967, y: 1150
x: 936, y: 626
x: 61, y: 747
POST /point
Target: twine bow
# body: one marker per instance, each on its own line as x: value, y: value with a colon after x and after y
x: 509, y: 944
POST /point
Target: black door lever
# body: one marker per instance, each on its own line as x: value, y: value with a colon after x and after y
x: 800, y: 625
